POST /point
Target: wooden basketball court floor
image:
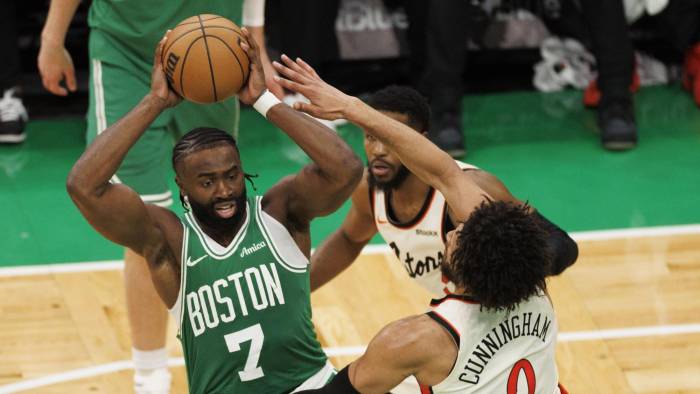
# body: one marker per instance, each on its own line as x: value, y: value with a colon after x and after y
x: 628, y: 310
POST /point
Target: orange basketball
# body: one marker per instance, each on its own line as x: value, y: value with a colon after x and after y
x: 203, y: 59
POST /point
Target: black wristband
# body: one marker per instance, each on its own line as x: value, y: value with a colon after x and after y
x: 564, y: 249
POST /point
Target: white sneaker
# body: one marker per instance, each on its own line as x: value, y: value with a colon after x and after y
x: 13, y: 117
x: 564, y: 63
x: 156, y: 382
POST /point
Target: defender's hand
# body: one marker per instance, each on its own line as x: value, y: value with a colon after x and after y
x: 326, y: 102
x: 271, y: 78
x: 55, y: 65
x: 255, y: 86
x: 159, y: 83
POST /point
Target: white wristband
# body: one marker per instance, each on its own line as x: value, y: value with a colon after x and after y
x: 253, y: 13
x: 266, y: 101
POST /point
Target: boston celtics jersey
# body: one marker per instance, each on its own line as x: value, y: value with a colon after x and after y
x: 122, y: 28
x: 245, y: 311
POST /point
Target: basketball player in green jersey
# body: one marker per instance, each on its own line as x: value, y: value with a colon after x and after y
x: 122, y: 36
x: 234, y: 269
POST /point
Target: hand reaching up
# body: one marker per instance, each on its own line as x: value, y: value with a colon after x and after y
x: 326, y: 102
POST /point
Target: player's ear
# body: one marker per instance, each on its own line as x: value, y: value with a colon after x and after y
x: 178, y: 181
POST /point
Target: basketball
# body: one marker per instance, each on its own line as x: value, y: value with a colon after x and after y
x: 203, y: 59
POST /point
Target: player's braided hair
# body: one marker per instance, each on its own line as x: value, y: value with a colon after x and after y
x: 198, y: 139
x: 502, y: 255
x: 202, y: 138
x: 403, y: 100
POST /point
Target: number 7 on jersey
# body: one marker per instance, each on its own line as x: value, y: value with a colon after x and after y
x: 251, y: 370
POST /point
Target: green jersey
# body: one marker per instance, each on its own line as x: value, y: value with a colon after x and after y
x: 121, y: 28
x: 245, y: 310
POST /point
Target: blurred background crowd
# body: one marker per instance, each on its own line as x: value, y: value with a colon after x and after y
x: 445, y: 48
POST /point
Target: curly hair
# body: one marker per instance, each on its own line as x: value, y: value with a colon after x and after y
x: 403, y: 100
x: 501, y: 255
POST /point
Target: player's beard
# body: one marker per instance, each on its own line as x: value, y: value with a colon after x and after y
x: 206, y: 214
x: 446, y: 269
x: 394, y: 183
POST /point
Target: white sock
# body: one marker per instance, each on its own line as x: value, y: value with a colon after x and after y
x: 145, y: 362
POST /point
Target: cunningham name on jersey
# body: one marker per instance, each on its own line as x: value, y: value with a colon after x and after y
x: 499, y: 350
x: 523, y: 324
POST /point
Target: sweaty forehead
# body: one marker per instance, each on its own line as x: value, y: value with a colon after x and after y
x: 216, y: 159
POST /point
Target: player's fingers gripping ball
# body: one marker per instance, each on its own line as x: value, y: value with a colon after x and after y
x: 203, y: 59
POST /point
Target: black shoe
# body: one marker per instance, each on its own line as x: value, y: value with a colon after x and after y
x: 618, y: 130
x: 448, y: 135
x: 13, y: 117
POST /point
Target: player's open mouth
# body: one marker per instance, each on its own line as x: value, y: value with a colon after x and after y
x: 379, y: 169
x: 225, y: 209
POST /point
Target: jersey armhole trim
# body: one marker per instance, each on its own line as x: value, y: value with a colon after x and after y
x: 179, y: 303
x: 268, y: 238
x: 446, y: 325
x: 446, y: 226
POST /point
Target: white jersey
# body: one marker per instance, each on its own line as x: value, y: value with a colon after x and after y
x: 499, y: 352
x: 420, y: 243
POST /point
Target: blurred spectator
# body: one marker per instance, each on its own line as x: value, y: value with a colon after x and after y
x: 13, y: 115
x: 614, y: 55
x: 446, y: 38
x: 680, y: 21
x: 304, y: 28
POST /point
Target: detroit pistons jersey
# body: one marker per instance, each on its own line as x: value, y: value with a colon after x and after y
x: 245, y: 312
x: 498, y: 351
x: 418, y: 244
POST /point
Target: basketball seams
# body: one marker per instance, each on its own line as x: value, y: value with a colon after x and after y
x: 211, y: 68
x: 185, y: 33
x: 184, y: 63
x: 238, y: 32
x: 203, y: 20
x: 228, y: 78
x: 167, y: 49
x: 243, y: 74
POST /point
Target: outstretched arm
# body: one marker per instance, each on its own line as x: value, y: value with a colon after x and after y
x: 423, y: 158
x: 321, y: 187
x: 116, y: 211
x: 341, y: 248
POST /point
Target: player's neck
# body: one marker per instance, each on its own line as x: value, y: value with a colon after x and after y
x: 411, y: 189
x: 461, y: 291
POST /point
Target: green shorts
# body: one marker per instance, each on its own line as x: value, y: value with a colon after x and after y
x: 114, y: 90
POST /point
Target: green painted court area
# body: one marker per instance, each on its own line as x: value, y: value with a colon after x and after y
x: 543, y: 146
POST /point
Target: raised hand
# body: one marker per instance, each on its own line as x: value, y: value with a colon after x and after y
x: 159, y: 83
x: 326, y: 102
x: 255, y: 86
